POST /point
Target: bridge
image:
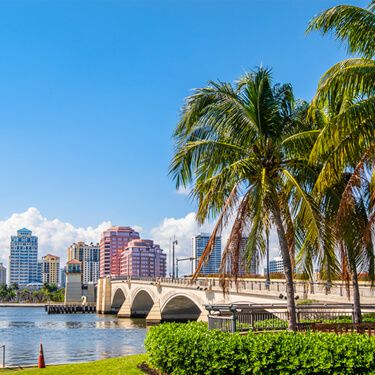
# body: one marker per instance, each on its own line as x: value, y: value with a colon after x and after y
x: 167, y: 299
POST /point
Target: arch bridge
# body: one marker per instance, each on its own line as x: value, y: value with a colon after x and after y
x: 166, y: 299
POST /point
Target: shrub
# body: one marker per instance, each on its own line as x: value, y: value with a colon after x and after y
x: 191, y: 349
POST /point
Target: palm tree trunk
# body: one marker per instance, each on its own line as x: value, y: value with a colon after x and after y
x: 357, y: 313
x: 291, y: 305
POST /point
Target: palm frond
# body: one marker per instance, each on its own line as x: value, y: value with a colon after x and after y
x: 350, y: 24
x: 229, y: 204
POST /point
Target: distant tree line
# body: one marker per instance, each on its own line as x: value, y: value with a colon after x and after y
x: 48, y: 292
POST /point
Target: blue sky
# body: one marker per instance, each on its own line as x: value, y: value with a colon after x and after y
x: 90, y: 92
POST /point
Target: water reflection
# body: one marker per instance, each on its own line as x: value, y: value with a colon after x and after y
x: 67, y: 338
x: 21, y: 324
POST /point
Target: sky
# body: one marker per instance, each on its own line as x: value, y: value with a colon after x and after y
x: 90, y: 92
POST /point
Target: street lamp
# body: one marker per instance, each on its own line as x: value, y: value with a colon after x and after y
x: 181, y: 260
x: 268, y: 281
x: 175, y: 242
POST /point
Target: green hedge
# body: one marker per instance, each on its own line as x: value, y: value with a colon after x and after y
x: 278, y: 323
x: 184, y: 349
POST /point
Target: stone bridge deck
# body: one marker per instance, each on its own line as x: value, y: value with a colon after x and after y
x: 166, y: 299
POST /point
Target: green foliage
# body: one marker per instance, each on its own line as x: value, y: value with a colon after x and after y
x: 183, y: 349
x: 306, y: 301
x: 7, y: 293
x: 48, y: 292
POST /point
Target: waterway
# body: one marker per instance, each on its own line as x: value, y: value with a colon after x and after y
x: 66, y: 337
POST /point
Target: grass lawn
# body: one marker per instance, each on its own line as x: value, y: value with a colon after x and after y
x: 113, y: 366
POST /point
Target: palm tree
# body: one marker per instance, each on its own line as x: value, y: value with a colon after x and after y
x: 346, y: 144
x: 239, y: 148
x: 354, y: 233
x: 348, y: 210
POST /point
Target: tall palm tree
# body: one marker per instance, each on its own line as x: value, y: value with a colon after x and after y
x: 346, y: 144
x: 239, y: 147
x: 354, y: 233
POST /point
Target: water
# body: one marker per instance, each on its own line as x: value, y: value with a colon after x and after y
x: 66, y: 338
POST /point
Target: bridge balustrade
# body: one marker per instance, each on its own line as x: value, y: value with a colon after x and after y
x: 247, y: 317
x: 304, y: 288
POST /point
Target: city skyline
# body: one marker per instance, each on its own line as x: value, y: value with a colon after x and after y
x: 90, y: 105
x: 65, y: 235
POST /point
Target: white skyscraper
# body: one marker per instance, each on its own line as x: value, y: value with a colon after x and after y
x: 199, y: 243
x: 23, y: 259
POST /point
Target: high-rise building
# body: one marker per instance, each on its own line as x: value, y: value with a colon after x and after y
x: 51, y: 269
x: 112, y: 244
x: 3, y: 274
x: 244, y: 268
x: 88, y: 255
x: 143, y: 258
x: 62, y: 277
x: 23, y: 259
x: 199, y: 243
x: 40, y: 271
x: 277, y: 265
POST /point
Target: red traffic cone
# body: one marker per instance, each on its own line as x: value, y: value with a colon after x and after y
x: 41, y: 363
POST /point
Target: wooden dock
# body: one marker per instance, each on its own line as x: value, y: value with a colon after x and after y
x: 70, y: 309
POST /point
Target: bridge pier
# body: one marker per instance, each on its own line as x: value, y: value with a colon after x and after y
x: 154, y: 316
x: 125, y: 310
x: 99, y: 294
x: 104, y: 296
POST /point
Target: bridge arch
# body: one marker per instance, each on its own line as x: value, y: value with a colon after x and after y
x: 118, y: 299
x: 181, y: 307
x: 142, y: 302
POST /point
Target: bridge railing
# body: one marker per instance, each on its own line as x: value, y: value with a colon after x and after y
x: 247, y: 317
x: 302, y: 288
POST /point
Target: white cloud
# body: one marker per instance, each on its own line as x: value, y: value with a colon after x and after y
x: 54, y: 235
x: 183, y: 191
x: 183, y: 229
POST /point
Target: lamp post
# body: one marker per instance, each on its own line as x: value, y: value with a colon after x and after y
x: 268, y: 281
x: 175, y: 242
x: 181, y: 260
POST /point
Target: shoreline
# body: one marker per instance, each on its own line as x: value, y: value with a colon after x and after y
x: 22, y: 304
x: 54, y: 364
x: 128, y: 364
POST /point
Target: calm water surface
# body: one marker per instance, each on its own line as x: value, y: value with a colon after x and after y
x: 67, y: 338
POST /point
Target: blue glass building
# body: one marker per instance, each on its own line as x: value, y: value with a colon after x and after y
x: 199, y: 243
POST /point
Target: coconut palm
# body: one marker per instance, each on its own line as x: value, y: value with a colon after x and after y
x: 346, y: 144
x: 239, y: 148
x: 354, y: 231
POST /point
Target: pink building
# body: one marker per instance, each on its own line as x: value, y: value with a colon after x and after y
x: 143, y: 258
x: 112, y: 244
